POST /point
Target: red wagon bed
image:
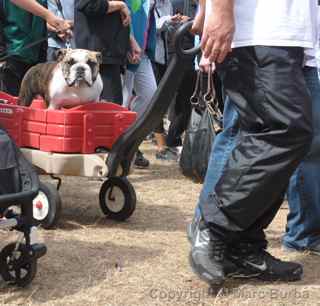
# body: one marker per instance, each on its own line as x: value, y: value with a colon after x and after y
x: 81, y: 129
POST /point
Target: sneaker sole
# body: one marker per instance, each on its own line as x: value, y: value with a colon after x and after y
x: 203, y: 275
x: 269, y: 278
x: 292, y: 277
x: 266, y: 277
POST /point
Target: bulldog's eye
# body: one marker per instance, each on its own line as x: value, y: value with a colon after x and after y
x: 91, y: 63
x: 71, y: 62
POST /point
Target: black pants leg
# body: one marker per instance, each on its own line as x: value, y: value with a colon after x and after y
x: 112, y: 86
x: 159, y: 70
x: 182, y: 109
x: 268, y: 88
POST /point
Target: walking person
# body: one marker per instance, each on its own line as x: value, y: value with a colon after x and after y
x: 263, y: 76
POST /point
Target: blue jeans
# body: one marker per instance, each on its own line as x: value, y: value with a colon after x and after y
x: 303, y: 226
x: 222, y: 147
x: 303, y: 195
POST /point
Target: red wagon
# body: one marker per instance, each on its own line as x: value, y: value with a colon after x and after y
x: 77, y: 141
x: 70, y: 142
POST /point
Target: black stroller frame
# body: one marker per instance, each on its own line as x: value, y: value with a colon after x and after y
x: 19, y: 184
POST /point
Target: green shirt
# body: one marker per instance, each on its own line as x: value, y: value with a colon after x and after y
x: 20, y: 29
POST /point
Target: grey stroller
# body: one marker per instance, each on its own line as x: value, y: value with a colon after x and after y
x: 19, y: 185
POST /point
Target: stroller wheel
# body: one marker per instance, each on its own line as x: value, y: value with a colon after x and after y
x: 117, y: 198
x: 47, y: 206
x: 17, y: 267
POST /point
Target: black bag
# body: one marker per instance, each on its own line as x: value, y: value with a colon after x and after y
x: 205, y: 122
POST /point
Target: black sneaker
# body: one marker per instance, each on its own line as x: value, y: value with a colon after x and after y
x: 207, y: 255
x: 141, y: 161
x: 230, y: 269
x: 262, y: 265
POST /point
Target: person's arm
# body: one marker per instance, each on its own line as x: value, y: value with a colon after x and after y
x: 94, y: 8
x: 218, y: 30
x: 120, y: 6
x: 35, y: 8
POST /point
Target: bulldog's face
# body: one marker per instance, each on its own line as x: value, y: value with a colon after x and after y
x: 79, y: 67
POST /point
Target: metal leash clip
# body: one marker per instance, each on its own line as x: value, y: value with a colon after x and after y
x: 68, y: 44
x: 212, y: 104
x: 194, y: 99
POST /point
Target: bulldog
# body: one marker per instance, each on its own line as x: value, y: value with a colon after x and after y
x: 72, y: 80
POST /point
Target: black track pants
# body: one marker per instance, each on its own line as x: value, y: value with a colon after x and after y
x: 269, y: 90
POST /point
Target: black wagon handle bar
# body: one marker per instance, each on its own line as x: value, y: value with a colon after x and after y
x: 178, y: 41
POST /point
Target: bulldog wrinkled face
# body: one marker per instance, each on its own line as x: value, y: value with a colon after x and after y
x: 79, y: 67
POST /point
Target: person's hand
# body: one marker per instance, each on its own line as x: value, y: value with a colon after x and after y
x: 184, y: 18
x: 218, y: 32
x: 125, y: 15
x: 65, y: 36
x: 205, y: 64
x: 175, y: 18
x: 134, y: 56
x: 57, y: 24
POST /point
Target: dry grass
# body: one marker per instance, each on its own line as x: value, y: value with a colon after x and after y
x: 94, y: 261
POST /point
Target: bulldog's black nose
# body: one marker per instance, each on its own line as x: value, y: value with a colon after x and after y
x: 80, y: 70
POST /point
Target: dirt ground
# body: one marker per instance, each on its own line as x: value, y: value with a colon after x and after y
x: 143, y: 262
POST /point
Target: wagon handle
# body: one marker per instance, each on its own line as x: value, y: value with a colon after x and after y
x: 123, y: 150
x: 178, y: 41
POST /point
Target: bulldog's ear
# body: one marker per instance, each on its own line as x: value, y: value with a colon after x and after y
x: 59, y: 54
x: 99, y: 58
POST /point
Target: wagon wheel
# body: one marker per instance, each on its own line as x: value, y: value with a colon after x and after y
x: 117, y: 198
x: 47, y: 206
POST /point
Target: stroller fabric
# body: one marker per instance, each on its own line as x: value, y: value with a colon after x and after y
x: 9, y: 166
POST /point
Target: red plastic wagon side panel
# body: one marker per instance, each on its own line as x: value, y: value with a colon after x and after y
x: 77, y: 130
